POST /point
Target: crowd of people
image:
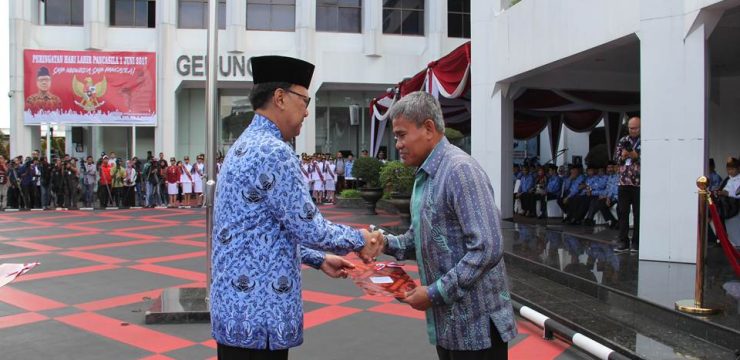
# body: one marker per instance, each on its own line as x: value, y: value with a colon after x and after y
x: 579, y: 195
x: 34, y: 182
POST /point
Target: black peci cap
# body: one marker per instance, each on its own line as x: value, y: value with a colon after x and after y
x: 43, y: 71
x: 267, y: 69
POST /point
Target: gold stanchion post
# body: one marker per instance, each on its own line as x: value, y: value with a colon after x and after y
x: 696, y: 305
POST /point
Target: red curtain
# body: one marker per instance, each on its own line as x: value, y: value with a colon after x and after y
x: 414, y: 84
x: 527, y: 127
x: 582, y: 121
x: 450, y: 69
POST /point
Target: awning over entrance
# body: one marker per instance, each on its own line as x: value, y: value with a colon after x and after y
x: 446, y: 78
x: 579, y: 111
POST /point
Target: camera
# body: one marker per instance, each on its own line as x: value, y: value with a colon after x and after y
x: 627, y: 145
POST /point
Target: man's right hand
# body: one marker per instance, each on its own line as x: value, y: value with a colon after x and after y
x: 374, y: 244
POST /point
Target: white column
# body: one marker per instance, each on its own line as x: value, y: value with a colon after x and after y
x: 372, y: 27
x: 674, y: 106
x: 305, y: 33
x: 21, y: 15
x: 491, y: 110
x: 96, y: 141
x: 96, y: 20
x: 236, y: 26
x: 165, y: 134
x: 435, y: 16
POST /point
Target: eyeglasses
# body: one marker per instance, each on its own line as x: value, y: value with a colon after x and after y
x: 306, y: 99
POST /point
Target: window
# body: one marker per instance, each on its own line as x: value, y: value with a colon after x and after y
x: 193, y: 14
x: 339, y: 15
x: 136, y: 13
x: 458, y: 18
x: 64, y: 12
x: 275, y: 15
x: 403, y: 17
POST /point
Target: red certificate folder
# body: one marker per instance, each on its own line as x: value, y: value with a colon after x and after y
x: 381, y: 278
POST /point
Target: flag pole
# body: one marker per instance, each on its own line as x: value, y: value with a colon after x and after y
x: 211, y: 98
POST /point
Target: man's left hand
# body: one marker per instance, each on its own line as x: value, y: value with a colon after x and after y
x: 418, y: 298
x: 335, y: 266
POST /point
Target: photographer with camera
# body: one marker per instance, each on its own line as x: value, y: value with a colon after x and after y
x: 118, y: 174
x: 150, y: 175
x: 57, y: 184
x: 88, y: 179
x: 129, y: 185
x: 71, y: 183
x: 628, y: 158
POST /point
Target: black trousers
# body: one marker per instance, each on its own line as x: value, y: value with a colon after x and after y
x: 340, y: 184
x: 13, y: 195
x: 71, y: 195
x: 577, y: 207
x: 226, y: 352
x: 499, y: 350
x: 629, y: 197
x: 104, y: 195
x: 600, y: 205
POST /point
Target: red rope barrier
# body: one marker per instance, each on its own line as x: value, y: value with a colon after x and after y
x: 730, y: 252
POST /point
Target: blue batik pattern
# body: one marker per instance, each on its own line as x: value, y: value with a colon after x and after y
x: 264, y: 224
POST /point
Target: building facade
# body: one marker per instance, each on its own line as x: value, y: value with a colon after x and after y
x: 360, y: 48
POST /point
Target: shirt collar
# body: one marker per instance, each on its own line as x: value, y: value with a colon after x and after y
x: 261, y: 122
x: 432, y: 162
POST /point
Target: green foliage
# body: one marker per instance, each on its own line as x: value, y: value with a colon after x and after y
x: 350, y: 194
x: 367, y: 169
x: 453, y: 135
x: 397, y: 177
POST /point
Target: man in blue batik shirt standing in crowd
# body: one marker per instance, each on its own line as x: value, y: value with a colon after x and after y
x: 265, y: 223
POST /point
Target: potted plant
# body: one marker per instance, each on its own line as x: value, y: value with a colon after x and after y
x: 398, y: 179
x: 367, y: 170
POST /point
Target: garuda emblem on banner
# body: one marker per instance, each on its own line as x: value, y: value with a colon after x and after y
x: 89, y: 93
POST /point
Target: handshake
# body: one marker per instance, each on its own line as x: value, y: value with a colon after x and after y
x: 374, y: 244
x: 337, y: 267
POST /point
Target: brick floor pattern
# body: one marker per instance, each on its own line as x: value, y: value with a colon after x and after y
x: 100, y: 271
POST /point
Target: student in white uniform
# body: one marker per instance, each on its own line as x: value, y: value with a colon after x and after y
x: 329, y: 171
x: 317, y: 177
x: 305, y: 163
x: 199, y: 171
x: 186, y: 179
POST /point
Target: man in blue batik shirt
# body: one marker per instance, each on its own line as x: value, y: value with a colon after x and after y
x: 605, y: 198
x: 455, y: 237
x: 595, y: 183
x: 265, y: 224
x: 553, y: 188
x: 573, y: 186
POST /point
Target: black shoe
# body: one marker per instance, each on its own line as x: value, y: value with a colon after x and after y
x: 623, y: 247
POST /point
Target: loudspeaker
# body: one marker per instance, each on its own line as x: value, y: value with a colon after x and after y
x: 77, y: 135
x: 354, y: 114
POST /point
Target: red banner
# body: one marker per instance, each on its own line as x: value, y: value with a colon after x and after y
x: 90, y: 87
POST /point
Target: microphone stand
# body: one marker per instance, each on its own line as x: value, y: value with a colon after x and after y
x: 557, y: 155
